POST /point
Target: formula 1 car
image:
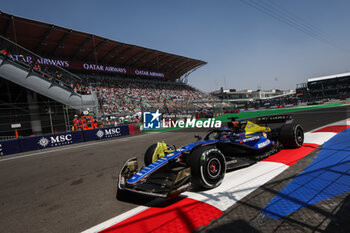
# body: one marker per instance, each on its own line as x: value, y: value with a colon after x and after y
x: 170, y: 171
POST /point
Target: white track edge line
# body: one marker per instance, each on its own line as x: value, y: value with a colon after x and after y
x: 112, y: 221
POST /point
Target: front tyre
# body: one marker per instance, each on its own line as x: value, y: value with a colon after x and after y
x: 208, y: 167
x: 150, y: 157
x: 291, y: 135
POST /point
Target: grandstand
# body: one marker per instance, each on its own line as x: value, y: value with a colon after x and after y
x: 49, y: 73
x: 335, y: 86
x: 119, y: 97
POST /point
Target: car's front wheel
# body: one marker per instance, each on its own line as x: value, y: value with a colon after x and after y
x: 150, y: 157
x: 208, y: 167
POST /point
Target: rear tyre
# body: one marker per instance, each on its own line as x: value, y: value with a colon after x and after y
x: 148, y: 158
x: 291, y: 135
x: 208, y: 167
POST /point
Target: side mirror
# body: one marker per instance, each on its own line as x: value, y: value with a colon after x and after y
x: 198, y: 137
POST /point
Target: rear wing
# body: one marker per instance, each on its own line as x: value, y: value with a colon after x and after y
x: 274, y: 119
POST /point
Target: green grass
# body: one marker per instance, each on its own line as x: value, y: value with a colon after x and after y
x: 253, y: 114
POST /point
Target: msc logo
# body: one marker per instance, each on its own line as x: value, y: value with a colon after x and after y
x: 61, y: 138
x: 43, y: 142
x: 113, y: 132
x: 108, y: 133
x: 151, y: 120
x: 100, y: 133
x: 55, y: 141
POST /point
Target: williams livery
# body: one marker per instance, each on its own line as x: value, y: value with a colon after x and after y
x: 170, y: 171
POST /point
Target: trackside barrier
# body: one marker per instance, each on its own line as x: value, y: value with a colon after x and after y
x: 8, y: 147
x: 134, y: 129
x: 103, y: 133
x: 50, y: 140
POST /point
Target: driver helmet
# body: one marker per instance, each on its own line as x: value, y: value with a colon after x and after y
x: 226, y: 132
x: 233, y: 124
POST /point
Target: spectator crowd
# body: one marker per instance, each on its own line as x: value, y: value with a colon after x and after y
x: 128, y: 97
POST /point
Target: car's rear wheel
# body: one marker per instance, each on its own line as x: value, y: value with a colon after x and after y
x: 149, y: 155
x: 291, y: 135
x: 208, y: 167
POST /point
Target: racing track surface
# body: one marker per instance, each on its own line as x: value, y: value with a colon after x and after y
x: 72, y: 188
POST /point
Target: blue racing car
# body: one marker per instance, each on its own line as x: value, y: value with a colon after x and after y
x: 170, y: 171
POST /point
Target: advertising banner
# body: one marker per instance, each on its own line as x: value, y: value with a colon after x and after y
x: 51, y: 140
x: 8, y: 147
x: 67, y: 64
x: 103, y: 133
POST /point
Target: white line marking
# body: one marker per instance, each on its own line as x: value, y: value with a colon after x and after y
x: 318, y: 138
x: 342, y: 122
x: 115, y: 220
x: 238, y: 184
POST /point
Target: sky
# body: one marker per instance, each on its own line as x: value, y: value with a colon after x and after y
x: 248, y: 44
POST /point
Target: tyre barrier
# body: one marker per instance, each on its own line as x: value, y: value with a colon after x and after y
x: 19, y: 145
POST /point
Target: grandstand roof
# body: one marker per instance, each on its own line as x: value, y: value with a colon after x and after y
x: 333, y: 76
x: 58, y: 42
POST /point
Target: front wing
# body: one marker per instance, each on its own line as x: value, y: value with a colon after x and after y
x: 167, y: 182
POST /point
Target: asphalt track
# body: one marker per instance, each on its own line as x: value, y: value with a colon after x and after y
x: 72, y: 188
